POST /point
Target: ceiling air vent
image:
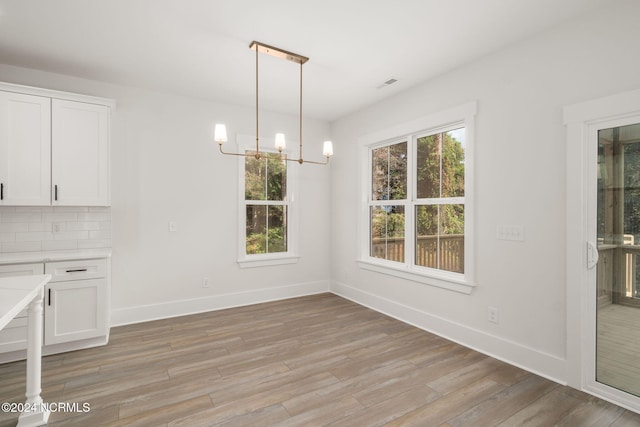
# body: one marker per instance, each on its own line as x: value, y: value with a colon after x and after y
x: 387, y: 83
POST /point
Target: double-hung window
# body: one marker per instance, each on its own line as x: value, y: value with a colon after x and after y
x: 417, y: 218
x: 265, y: 195
x: 266, y: 212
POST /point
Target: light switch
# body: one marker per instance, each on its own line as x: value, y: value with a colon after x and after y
x: 173, y: 226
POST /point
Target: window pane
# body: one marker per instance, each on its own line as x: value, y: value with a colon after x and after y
x: 440, y: 165
x: 398, y: 171
x: 265, y: 178
x: 428, y: 166
x: 277, y: 229
x: 266, y: 234
x: 427, y: 236
x: 255, y: 178
x: 256, y: 241
x: 452, y: 238
x: 440, y: 237
x: 380, y: 173
x: 389, y: 172
x: 387, y: 232
x: 276, y: 177
x: 453, y: 164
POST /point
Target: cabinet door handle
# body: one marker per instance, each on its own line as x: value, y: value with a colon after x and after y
x: 2, y: 191
x: 49, y: 296
x: 55, y: 192
x: 78, y: 270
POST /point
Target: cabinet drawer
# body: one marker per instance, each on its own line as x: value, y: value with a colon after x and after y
x: 64, y: 271
x: 21, y: 270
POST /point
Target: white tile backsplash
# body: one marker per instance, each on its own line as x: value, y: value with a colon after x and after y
x: 38, y: 226
x: 94, y: 244
x: 60, y: 217
x: 78, y: 226
x: 60, y: 245
x: 28, y: 209
x: 71, y: 235
x: 13, y: 216
x: 34, y: 236
x: 21, y: 246
x: 94, y: 216
x: 100, y: 235
x: 46, y: 228
x: 7, y: 237
x: 12, y: 227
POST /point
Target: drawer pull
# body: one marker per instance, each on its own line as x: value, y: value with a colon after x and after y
x: 78, y: 270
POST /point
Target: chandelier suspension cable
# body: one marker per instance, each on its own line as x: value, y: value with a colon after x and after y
x: 300, y: 157
x: 257, y: 79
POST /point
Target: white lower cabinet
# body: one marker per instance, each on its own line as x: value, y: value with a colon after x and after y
x: 76, y: 307
x: 75, y: 301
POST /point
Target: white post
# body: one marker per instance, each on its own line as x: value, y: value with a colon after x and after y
x: 34, y: 414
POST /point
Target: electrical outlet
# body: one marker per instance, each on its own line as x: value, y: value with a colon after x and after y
x: 56, y: 227
x: 205, y: 282
x: 173, y: 226
x: 492, y: 314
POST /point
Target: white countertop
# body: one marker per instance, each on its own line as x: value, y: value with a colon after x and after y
x: 17, y: 292
x: 46, y: 256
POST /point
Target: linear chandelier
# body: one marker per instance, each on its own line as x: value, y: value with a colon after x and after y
x: 220, y: 132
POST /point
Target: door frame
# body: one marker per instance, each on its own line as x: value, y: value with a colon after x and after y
x: 582, y: 121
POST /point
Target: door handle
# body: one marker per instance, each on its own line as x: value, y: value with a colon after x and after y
x: 592, y: 255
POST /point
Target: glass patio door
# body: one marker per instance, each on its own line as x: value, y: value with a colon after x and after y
x: 618, y: 266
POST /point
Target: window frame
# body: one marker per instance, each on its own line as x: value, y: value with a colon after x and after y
x: 247, y: 143
x: 460, y: 116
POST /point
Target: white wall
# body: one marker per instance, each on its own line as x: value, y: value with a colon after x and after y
x: 165, y: 166
x: 520, y: 180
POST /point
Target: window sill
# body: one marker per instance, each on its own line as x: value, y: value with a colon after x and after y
x: 451, y: 281
x: 267, y: 260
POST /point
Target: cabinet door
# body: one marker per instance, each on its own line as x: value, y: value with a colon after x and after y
x: 14, y: 336
x: 80, y: 154
x: 25, y: 149
x: 74, y: 310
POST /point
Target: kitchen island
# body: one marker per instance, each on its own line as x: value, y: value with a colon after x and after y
x: 17, y: 293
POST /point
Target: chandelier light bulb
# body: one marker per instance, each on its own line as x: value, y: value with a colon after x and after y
x: 327, y: 149
x: 220, y: 133
x: 280, y: 142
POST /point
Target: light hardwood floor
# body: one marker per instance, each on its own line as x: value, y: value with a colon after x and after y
x: 316, y: 360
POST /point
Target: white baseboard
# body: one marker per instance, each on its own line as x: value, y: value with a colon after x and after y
x: 145, y: 313
x: 546, y: 365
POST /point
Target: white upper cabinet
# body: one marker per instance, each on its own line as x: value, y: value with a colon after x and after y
x: 54, y: 148
x: 80, y: 154
x: 25, y: 149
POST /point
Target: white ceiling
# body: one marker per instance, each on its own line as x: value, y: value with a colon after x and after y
x: 201, y: 47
